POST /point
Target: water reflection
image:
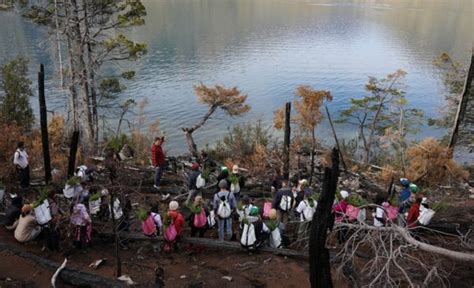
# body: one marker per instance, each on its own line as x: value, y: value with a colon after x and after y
x: 268, y: 47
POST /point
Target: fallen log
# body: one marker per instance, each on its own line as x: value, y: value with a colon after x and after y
x: 212, y: 243
x: 68, y: 275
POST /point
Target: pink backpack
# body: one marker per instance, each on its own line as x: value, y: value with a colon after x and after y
x: 267, y: 206
x: 148, y: 226
x: 391, y: 211
x: 352, y: 212
x: 170, y: 233
x: 200, y: 219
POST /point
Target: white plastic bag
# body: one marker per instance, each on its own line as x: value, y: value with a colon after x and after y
x: 235, y: 188
x: 72, y: 191
x: 94, y: 206
x: 43, y: 213
x: 211, y: 219
x: 118, y: 213
x: 362, y: 215
x: 248, y: 237
x: 285, y: 203
x: 425, y: 216
x: 275, y: 238
x: 200, y: 182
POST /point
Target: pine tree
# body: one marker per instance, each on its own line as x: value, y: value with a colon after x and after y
x: 14, y: 93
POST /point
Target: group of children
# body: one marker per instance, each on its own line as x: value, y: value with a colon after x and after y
x: 258, y: 223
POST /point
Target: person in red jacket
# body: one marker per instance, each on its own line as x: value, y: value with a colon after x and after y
x: 414, y: 213
x: 177, y: 220
x: 158, y: 159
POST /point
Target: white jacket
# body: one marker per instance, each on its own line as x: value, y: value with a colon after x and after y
x: 20, y: 158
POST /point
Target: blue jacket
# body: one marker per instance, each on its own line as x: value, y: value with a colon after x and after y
x: 404, y: 195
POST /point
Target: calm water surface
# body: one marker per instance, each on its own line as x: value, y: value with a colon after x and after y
x: 267, y: 48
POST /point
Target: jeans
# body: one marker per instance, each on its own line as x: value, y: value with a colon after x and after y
x: 158, y: 173
x: 225, y: 225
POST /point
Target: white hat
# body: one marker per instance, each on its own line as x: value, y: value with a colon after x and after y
x: 174, y: 205
x: 303, y: 182
x: 344, y: 194
x: 235, y: 169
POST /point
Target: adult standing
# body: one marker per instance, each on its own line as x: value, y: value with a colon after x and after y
x: 283, y: 204
x: 224, y: 203
x: 158, y: 159
x: 20, y: 160
x: 236, y: 182
x: 193, y: 189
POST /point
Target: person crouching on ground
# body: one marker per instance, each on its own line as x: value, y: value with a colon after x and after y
x: 174, y: 223
x: 224, y: 204
x: 27, y: 228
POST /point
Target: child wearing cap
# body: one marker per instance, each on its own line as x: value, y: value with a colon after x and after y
x: 173, y: 218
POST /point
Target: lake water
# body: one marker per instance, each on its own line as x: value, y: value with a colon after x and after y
x: 267, y: 48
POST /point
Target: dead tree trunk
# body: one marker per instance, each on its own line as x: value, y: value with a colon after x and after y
x: 189, y: 131
x: 286, y: 145
x: 320, y: 269
x: 72, y: 153
x: 462, y: 104
x: 335, y: 138
x: 313, y: 146
x: 44, y: 125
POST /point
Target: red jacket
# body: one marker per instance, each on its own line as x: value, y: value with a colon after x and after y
x: 413, y: 215
x: 157, y: 155
x: 178, y: 220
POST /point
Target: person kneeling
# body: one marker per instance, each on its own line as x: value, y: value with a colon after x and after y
x: 27, y: 228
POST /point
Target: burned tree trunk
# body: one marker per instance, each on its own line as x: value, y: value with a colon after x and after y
x: 320, y: 269
x: 44, y: 125
x: 286, y: 145
x: 462, y: 111
x: 72, y: 153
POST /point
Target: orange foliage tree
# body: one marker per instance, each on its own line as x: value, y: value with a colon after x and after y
x: 230, y: 100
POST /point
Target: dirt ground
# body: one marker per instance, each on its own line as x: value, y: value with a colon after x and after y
x: 198, y: 267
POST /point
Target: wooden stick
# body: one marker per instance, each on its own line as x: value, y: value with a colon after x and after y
x: 335, y: 138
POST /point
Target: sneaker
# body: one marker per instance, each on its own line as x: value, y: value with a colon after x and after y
x: 156, y: 187
x: 164, y: 197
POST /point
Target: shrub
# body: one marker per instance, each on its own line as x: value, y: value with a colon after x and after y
x: 432, y: 164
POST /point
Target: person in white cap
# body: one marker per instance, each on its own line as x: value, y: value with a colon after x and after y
x: 177, y: 220
x: 236, y: 182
